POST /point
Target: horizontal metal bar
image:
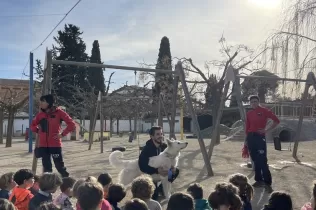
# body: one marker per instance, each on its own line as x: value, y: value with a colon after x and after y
x: 123, y: 97
x: 271, y: 78
x: 128, y: 68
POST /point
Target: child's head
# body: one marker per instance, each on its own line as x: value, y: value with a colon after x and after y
x: 180, y: 201
x: 242, y: 183
x: 67, y: 185
x: 143, y: 187
x: 136, y: 204
x: 6, y: 205
x: 24, y: 178
x: 76, y: 187
x: 90, y: 195
x: 47, y: 206
x: 279, y: 201
x: 196, y: 190
x: 225, y: 196
x: 49, y: 182
x: 7, y: 182
x: 116, y: 193
x: 91, y: 179
x: 105, y: 180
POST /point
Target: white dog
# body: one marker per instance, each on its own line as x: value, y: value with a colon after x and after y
x: 166, y: 159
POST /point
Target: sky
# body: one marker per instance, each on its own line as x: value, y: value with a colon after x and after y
x: 129, y: 31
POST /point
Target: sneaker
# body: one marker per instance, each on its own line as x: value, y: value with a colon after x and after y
x: 269, y: 189
x: 258, y: 184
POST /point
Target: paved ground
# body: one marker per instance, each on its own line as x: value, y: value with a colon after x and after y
x: 289, y: 176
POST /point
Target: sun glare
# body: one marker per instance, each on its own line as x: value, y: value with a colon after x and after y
x: 266, y: 3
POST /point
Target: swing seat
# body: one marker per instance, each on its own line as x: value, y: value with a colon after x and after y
x: 277, y: 143
x: 122, y: 149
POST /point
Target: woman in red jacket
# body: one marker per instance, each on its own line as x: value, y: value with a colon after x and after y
x: 47, y: 124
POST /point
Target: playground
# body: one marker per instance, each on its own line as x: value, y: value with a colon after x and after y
x: 289, y: 176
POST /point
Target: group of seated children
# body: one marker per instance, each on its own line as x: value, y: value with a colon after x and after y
x: 25, y: 191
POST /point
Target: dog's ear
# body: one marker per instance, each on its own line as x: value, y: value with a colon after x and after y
x: 168, y: 141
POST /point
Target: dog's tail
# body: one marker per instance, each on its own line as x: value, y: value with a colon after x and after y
x: 116, y: 159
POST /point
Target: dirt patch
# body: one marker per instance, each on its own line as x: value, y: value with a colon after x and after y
x: 287, y: 174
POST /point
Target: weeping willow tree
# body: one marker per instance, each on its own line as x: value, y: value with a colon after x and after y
x: 292, y: 48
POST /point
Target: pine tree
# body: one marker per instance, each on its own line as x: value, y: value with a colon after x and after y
x: 163, y: 82
x: 95, y: 75
x: 69, y: 46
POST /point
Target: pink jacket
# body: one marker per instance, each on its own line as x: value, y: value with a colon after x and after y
x: 105, y: 205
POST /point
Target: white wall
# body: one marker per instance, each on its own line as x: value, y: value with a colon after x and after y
x: 18, y: 125
x: 142, y: 126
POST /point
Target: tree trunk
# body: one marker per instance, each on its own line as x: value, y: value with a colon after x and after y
x: 111, y: 126
x: 93, y: 119
x: 135, y: 126
x: 152, y: 122
x: 130, y: 124
x: 117, y: 126
x: 1, y: 125
x: 262, y: 95
x: 8, y: 142
x: 160, y: 116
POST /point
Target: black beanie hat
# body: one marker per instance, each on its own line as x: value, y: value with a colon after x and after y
x: 49, y: 99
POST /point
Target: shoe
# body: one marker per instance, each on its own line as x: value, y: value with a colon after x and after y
x: 268, y: 188
x: 258, y: 184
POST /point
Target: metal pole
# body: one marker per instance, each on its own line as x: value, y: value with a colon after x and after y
x: 207, y: 162
x: 271, y: 78
x: 215, y: 133
x: 49, y: 72
x: 31, y: 89
x: 300, y: 121
x: 101, y: 120
x: 85, y: 64
x: 181, y: 116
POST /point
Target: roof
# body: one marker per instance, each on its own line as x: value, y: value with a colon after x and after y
x: 132, y: 90
x: 14, y: 82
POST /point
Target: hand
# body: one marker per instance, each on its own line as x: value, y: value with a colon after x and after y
x: 162, y: 172
x: 173, y: 169
x: 59, y: 136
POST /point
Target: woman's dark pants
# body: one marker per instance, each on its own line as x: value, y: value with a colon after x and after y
x: 258, y: 152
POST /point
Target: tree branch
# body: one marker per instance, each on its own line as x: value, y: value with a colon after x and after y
x: 299, y: 35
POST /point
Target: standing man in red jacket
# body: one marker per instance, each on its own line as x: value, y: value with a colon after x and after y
x: 256, y: 122
x: 47, y: 124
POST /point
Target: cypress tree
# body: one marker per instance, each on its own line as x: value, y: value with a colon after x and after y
x: 69, y: 46
x: 163, y: 82
x: 95, y: 75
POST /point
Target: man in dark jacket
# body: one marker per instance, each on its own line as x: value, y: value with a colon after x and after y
x: 154, y: 146
x: 47, y: 124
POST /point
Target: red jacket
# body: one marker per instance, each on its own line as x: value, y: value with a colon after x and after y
x: 48, y: 126
x: 257, y: 119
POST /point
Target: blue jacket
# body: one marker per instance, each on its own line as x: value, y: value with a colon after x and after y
x: 4, y: 194
x: 202, y: 204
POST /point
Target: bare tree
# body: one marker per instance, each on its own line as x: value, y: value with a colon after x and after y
x: 12, y: 101
x: 238, y: 57
x: 85, y: 103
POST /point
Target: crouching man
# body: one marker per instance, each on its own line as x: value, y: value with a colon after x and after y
x: 154, y: 146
